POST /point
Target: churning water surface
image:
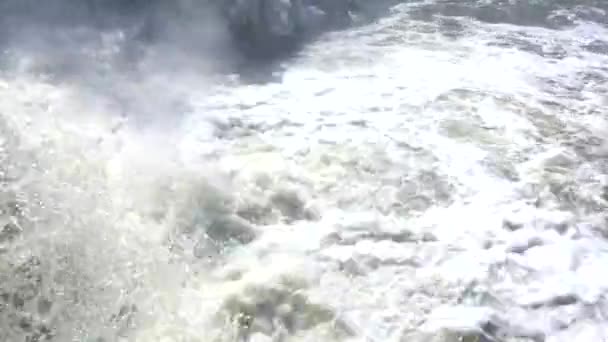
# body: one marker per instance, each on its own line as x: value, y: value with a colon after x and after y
x: 439, y: 174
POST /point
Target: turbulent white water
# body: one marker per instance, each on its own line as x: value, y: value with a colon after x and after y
x: 427, y: 177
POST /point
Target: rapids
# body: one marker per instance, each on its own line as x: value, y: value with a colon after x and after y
x: 437, y: 174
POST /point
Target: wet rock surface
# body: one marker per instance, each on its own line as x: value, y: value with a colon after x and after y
x: 268, y: 27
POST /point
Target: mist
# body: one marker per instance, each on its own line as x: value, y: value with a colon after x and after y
x: 135, y: 56
x: 81, y: 34
x: 94, y: 95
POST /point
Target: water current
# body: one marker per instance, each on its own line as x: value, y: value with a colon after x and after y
x: 438, y: 174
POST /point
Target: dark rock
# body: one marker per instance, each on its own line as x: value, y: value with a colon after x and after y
x: 260, y: 28
x: 265, y: 28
